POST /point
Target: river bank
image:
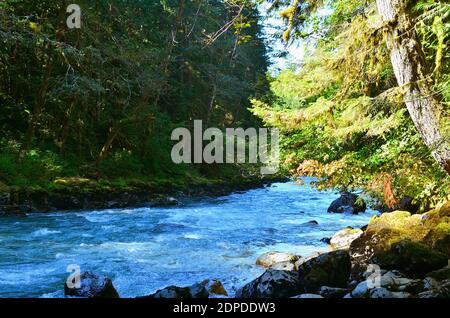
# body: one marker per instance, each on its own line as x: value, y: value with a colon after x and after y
x: 75, y: 194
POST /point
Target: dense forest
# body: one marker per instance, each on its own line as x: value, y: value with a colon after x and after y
x: 100, y: 102
x: 347, y: 117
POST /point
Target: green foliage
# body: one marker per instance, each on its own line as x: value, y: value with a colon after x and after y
x: 342, y: 116
x: 101, y: 101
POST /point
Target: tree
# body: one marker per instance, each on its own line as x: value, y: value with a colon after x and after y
x: 414, y: 77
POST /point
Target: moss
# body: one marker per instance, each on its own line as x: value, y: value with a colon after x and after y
x: 4, y: 188
x: 411, y: 257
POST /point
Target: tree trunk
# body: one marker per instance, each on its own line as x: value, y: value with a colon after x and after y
x: 409, y: 65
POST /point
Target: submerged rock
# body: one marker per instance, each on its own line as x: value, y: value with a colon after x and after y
x: 92, y: 286
x: 271, y: 284
x: 343, y: 238
x: 348, y: 203
x: 328, y: 269
x: 312, y: 222
x: 269, y: 259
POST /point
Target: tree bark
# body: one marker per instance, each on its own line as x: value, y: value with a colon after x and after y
x: 414, y: 78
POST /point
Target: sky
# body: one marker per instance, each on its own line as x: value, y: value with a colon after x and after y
x: 295, y: 51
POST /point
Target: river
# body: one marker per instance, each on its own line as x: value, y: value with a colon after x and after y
x: 145, y: 249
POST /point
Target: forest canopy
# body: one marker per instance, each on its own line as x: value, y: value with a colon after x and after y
x: 343, y: 113
x: 367, y: 108
x: 101, y: 101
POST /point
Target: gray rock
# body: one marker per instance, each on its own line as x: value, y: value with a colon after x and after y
x: 328, y: 269
x: 200, y: 290
x: 269, y: 259
x: 361, y: 290
x: 348, y: 202
x: 343, y: 238
x: 92, y: 286
x: 271, y: 284
x: 333, y: 292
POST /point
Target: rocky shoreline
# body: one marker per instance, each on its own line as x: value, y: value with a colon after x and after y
x: 397, y: 255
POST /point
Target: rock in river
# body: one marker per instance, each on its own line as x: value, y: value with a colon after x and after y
x: 271, y: 258
x: 343, y: 238
x: 92, y: 286
x: 349, y: 203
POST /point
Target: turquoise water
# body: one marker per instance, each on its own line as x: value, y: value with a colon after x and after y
x: 145, y: 249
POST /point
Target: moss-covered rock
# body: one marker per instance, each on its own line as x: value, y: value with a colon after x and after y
x: 430, y: 230
x: 415, y: 259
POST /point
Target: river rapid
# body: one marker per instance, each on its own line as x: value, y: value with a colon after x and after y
x: 146, y: 249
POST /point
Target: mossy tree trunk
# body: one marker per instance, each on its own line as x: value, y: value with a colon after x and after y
x: 413, y: 77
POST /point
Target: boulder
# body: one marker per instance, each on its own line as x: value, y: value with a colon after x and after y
x: 333, y: 292
x: 431, y: 229
x: 271, y: 284
x: 348, y: 203
x: 328, y: 269
x: 413, y: 258
x: 343, y: 238
x: 92, y: 286
x: 269, y: 259
x: 177, y: 293
x: 200, y: 290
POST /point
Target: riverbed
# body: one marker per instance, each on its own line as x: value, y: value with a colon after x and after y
x: 146, y: 249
